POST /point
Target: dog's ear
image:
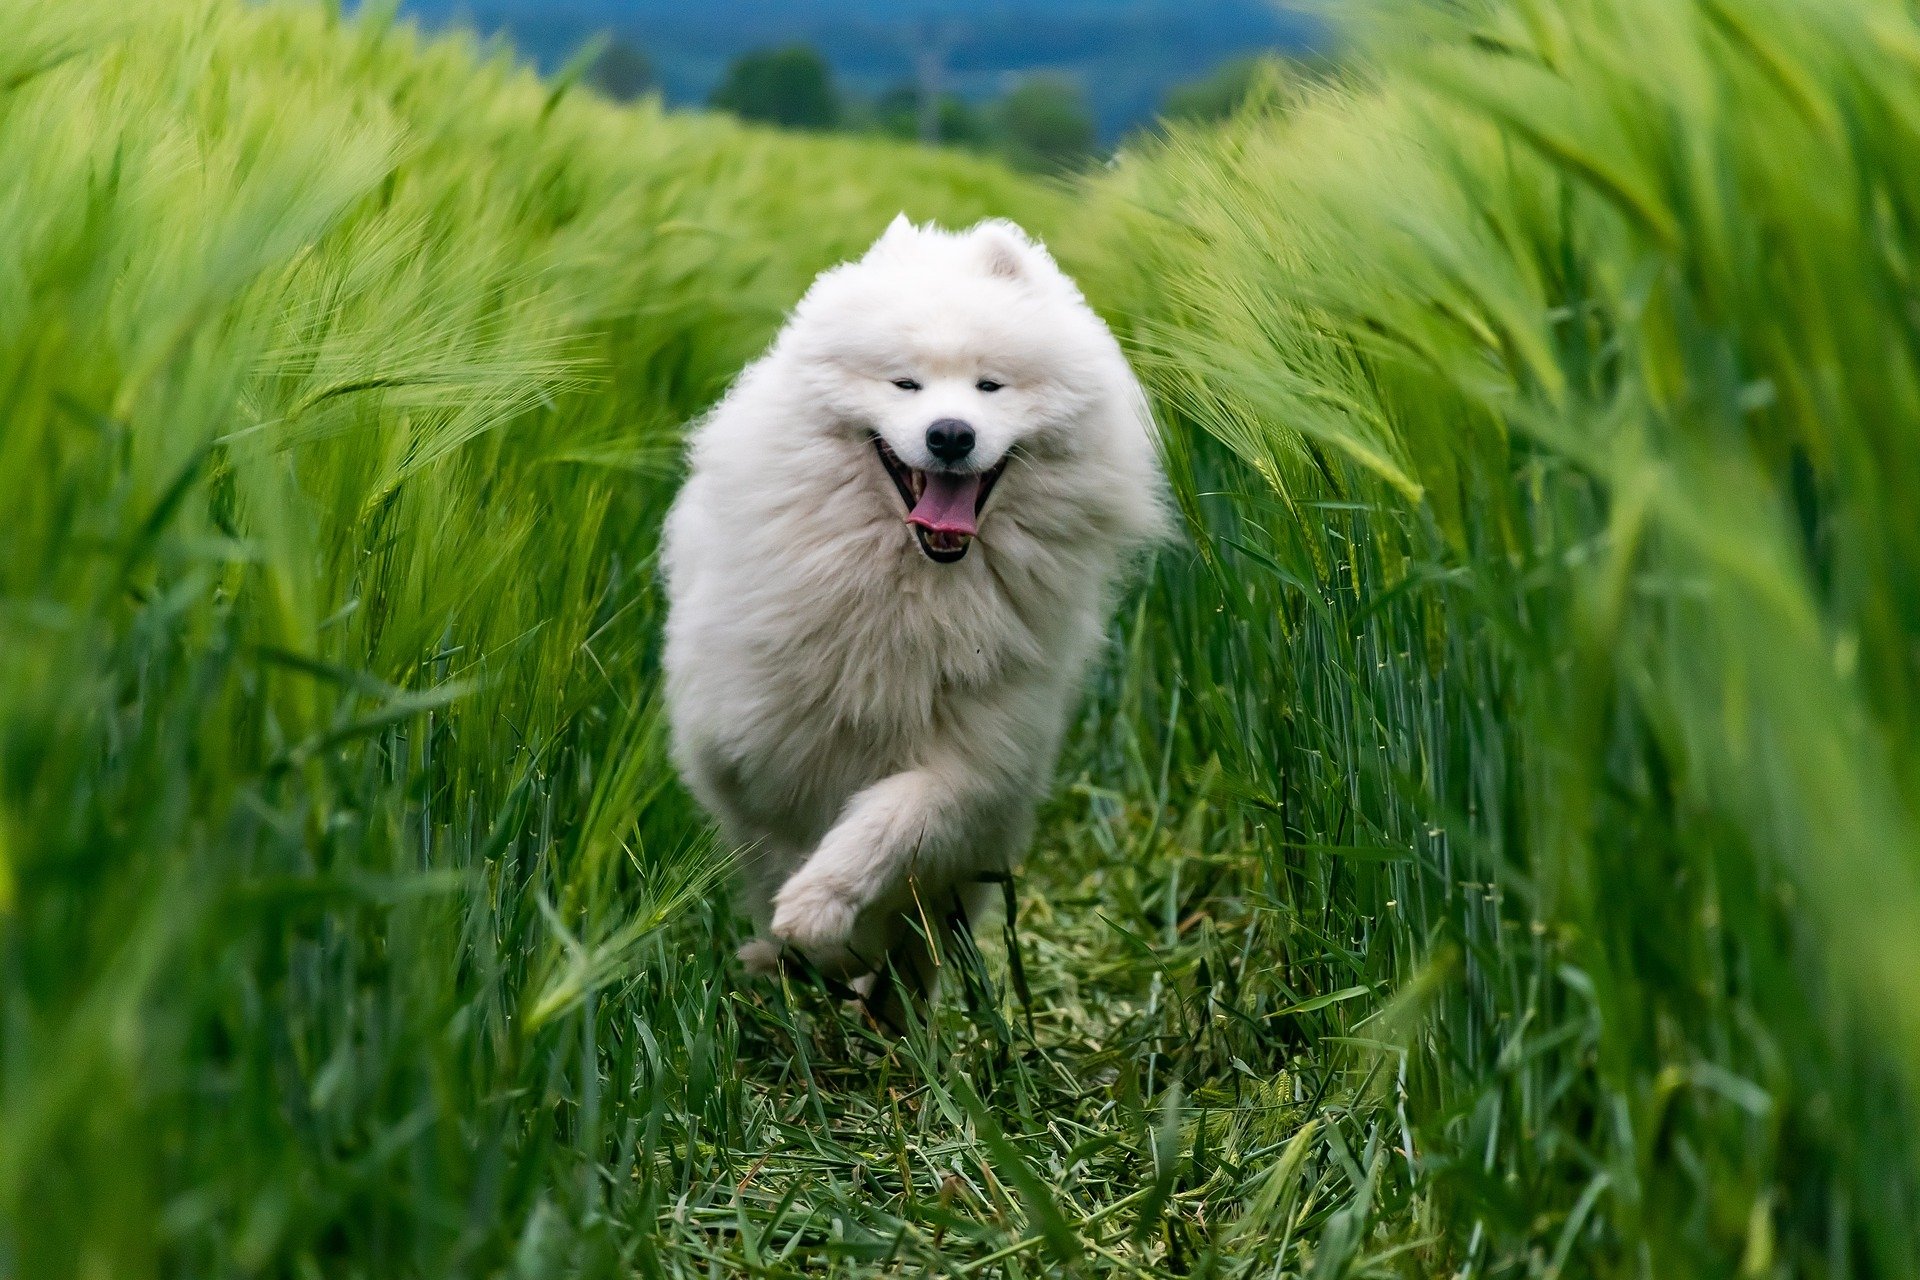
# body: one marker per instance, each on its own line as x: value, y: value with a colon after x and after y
x: 1006, y: 250
x: 898, y: 232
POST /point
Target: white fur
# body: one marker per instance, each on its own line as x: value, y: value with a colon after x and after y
x: 872, y: 727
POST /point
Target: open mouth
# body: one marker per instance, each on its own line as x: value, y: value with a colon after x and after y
x: 942, y: 506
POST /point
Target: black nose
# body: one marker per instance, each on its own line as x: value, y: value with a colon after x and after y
x: 950, y: 439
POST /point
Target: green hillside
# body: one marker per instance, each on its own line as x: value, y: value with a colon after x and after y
x: 1489, y: 847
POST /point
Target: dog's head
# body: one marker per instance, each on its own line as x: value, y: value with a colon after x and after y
x: 968, y: 370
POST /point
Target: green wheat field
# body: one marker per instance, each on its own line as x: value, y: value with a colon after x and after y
x: 1490, y: 846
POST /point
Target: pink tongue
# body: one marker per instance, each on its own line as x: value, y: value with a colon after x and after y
x: 946, y: 505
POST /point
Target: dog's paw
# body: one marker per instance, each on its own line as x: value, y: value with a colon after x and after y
x: 760, y: 957
x: 817, y: 920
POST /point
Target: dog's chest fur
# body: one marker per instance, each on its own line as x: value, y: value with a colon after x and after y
x: 819, y: 701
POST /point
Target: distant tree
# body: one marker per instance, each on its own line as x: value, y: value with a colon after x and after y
x: 961, y: 125
x: 958, y: 124
x: 791, y: 87
x: 897, y: 111
x: 1045, y: 124
x: 1216, y: 95
x: 622, y: 72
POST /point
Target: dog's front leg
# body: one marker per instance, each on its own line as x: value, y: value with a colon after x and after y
x: 914, y: 821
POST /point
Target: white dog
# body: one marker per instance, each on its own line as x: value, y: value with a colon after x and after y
x: 887, y: 570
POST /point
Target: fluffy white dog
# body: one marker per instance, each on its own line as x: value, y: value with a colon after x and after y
x: 888, y: 568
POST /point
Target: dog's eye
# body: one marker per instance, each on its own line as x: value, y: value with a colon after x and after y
x: 987, y: 384
x: 906, y: 384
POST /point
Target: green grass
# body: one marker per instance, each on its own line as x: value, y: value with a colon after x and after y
x: 1565, y: 615
x: 1489, y: 848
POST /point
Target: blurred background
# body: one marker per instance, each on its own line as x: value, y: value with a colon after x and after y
x: 1045, y: 84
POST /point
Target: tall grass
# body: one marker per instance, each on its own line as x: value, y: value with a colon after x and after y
x: 1544, y: 401
x: 340, y: 380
